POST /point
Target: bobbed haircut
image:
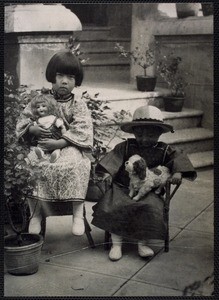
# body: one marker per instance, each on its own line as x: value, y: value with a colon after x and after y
x: 49, y: 102
x: 64, y: 62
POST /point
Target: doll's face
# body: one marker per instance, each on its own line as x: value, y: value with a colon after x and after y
x: 64, y: 83
x: 42, y: 109
x: 147, y: 136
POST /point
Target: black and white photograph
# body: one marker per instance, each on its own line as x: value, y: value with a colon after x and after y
x: 108, y: 149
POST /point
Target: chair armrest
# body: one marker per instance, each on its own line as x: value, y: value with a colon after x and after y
x: 99, y: 184
x: 100, y: 178
x: 168, y: 189
x: 169, y: 194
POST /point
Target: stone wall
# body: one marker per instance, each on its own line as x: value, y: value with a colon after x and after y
x: 26, y: 56
x: 192, y: 39
x: 29, y: 44
x: 196, y: 52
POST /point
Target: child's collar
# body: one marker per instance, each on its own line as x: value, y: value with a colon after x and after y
x: 61, y: 98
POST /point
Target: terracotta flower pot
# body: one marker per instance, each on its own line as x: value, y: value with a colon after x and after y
x: 145, y: 83
x: 22, y: 260
x: 173, y: 104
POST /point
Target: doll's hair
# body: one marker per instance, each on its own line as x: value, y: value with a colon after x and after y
x: 139, y: 167
x: 64, y: 62
x: 48, y: 100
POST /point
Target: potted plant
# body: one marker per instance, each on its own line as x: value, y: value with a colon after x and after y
x: 74, y: 46
x: 21, y: 250
x: 106, y: 128
x: 176, y: 78
x: 144, y: 58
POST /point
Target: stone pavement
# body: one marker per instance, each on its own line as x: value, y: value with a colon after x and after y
x: 69, y: 267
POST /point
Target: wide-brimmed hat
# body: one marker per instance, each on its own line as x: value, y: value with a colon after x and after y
x: 147, y: 115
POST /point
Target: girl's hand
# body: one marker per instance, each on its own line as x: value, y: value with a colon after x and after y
x: 176, y: 178
x: 51, y: 144
x: 39, y: 131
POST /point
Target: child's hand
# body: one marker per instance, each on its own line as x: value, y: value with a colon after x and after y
x: 39, y: 131
x: 176, y: 178
x: 51, y: 144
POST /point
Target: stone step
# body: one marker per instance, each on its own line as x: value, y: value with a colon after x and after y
x: 127, y: 97
x: 109, y: 61
x: 93, y: 32
x: 104, y: 62
x: 202, y: 159
x: 88, y: 45
x: 121, y: 95
x: 187, y: 118
x: 101, y: 73
x: 190, y: 140
x: 105, y: 57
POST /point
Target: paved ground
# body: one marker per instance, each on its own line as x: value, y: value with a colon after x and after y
x: 69, y: 267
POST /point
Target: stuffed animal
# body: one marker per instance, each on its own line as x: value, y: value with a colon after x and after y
x: 142, y: 179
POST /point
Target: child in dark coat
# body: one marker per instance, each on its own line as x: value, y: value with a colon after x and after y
x: 122, y: 216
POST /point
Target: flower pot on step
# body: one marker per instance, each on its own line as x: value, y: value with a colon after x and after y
x: 173, y: 104
x: 184, y: 10
x: 22, y: 259
x: 146, y: 83
x: 207, y: 9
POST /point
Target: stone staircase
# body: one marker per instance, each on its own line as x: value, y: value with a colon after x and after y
x: 190, y: 137
x: 108, y: 74
x: 104, y: 64
x: 196, y: 141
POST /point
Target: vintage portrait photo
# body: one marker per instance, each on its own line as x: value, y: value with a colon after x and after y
x: 108, y: 149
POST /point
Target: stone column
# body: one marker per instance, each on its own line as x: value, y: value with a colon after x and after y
x: 33, y: 33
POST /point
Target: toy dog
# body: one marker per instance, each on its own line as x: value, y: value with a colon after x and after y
x: 142, y: 179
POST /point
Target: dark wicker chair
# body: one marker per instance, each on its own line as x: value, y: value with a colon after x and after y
x: 61, y: 209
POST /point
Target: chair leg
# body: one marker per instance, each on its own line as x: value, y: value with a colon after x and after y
x: 107, y: 240
x: 166, y: 244
x: 167, y: 238
x: 88, y: 230
x: 43, y: 226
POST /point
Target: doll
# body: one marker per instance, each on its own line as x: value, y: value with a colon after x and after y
x: 44, y: 109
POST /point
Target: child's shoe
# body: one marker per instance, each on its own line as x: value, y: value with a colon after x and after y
x: 54, y: 155
x: 78, y: 227
x: 39, y: 153
x: 35, y: 225
x: 144, y: 251
x: 115, y: 252
x: 116, y: 249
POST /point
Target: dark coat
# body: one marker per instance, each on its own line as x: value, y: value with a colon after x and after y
x: 116, y: 212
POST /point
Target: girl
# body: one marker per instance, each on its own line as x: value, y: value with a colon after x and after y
x: 117, y: 213
x: 67, y: 178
